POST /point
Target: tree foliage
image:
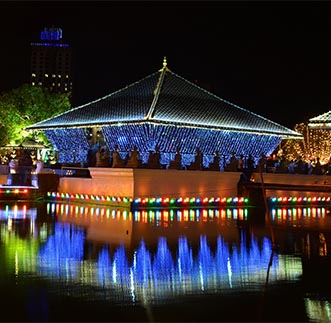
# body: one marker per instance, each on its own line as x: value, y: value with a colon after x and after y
x: 25, y: 106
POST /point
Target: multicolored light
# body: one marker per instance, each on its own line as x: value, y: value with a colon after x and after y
x: 300, y: 200
x: 152, y: 202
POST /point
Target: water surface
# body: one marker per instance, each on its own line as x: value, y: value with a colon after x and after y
x: 70, y: 262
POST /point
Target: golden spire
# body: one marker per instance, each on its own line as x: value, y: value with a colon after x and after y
x: 164, y: 68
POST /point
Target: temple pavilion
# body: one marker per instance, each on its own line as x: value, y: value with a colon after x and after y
x: 166, y: 111
x: 316, y: 141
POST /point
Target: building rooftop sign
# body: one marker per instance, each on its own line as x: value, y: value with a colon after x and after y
x: 51, y: 34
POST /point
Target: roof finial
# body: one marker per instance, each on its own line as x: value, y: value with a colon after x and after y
x: 164, y: 68
x: 164, y: 62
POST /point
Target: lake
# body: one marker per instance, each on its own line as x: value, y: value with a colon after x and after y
x: 75, y: 262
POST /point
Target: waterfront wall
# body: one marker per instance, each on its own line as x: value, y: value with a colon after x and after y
x: 135, y: 183
x: 141, y: 183
x: 3, y: 179
x: 130, y: 182
x: 103, y: 181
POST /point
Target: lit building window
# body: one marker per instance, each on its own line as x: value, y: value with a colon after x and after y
x: 33, y: 75
x: 46, y: 75
x: 59, y: 76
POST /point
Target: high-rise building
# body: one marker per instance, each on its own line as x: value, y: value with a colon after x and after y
x: 51, y: 61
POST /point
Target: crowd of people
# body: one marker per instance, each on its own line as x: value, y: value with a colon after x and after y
x: 25, y: 162
x: 21, y: 163
x: 234, y: 162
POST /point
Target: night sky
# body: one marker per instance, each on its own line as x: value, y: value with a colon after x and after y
x: 272, y: 58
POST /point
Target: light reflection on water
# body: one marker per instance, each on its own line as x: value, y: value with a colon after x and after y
x: 156, y: 257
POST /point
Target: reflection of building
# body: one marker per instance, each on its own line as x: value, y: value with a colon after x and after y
x: 121, y: 226
x: 164, y: 110
x: 172, y: 254
x: 51, y: 61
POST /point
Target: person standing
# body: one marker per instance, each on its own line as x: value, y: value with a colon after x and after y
x: 25, y: 167
x: 240, y: 166
x: 134, y: 159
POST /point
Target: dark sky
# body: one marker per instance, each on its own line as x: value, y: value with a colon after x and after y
x: 272, y: 58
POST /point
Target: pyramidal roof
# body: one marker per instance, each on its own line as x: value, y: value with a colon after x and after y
x: 165, y: 98
x: 325, y: 117
x: 322, y: 121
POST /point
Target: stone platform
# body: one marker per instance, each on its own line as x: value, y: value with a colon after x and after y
x: 141, y: 183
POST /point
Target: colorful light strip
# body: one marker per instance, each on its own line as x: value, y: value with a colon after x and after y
x: 14, y: 191
x: 188, y: 202
x: 89, y: 198
x: 153, y: 202
x: 300, y: 200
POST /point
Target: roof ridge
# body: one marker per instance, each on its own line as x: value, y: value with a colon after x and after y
x: 157, y: 89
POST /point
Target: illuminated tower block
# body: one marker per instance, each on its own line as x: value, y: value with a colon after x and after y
x: 51, y: 62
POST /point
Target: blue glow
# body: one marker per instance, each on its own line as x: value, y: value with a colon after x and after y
x: 185, y: 260
x: 206, y: 264
x: 221, y: 257
x: 62, y: 252
x: 71, y: 144
x: 69, y: 140
x: 50, y: 44
x: 104, y: 267
x: 51, y: 34
x: 143, y: 271
x: 163, y: 267
x: 121, y: 271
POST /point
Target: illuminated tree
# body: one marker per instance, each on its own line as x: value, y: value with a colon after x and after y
x: 27, y: 105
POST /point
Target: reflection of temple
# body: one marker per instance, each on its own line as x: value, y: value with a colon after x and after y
x: 156, y: 256
x: 101, y: 224
x: 171, y: 253
x: 166, y: 111
x: 153, y: 274
x: 196, y: 253
x: 123, y: 227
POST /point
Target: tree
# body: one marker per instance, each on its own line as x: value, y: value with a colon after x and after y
x: 25, y: 106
